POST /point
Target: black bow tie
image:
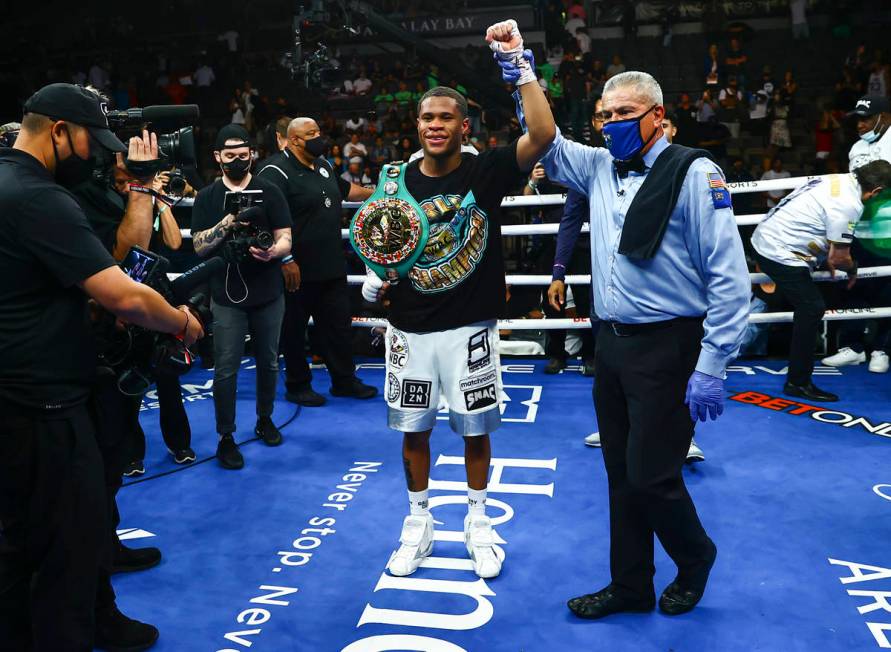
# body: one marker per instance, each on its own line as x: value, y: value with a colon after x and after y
x: 635, y: 164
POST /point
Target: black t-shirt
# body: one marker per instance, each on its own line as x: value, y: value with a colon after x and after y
x: 47, y: 354
x: 314, y: 198
x: 459, y: 279
x: 252, y: 283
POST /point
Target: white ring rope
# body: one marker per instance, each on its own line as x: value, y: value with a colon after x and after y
x: 584, y: 322
x: 516, y: 201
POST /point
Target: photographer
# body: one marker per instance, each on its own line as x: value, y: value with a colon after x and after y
x: 52, y: 504
x: 248, y: 298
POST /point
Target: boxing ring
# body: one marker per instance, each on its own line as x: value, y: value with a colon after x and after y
x: 290, y: 552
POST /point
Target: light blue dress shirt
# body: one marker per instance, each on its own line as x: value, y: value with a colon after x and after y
x: 699, y: 268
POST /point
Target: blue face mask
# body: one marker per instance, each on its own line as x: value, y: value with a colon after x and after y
x: 623, y: 137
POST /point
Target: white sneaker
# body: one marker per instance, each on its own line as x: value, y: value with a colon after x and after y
x: 694, y: 454
x: 593, y: 439
x: 845, y: 356
x: 417, y: 543
x: 480, y: 542
x: 878, y: 362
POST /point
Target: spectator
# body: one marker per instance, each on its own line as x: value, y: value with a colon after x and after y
x: 776, y: 171
x: 237, y: 114
x: 248, y: 98
x: 823, y: 136
x: 758, y: 115
x: 354, y: 147
x: 798, y: 9
x: 712, y: 67
x: 730, y: 102
x: 713, y: 137
x: 204, y: 76
x: 380, y: 153
x: 789, y: 90
x: 383, y: 99
x: 780, y: 137
x: 362, y: 85
x: 736, y: 61
x: 418, y: 92
x: 577, y: 10
x: 354, y: 172
x: 98, y: 77
x: 335, y: 158
x: 768, y: 85
x: 687, y: 124
x: 847, y: 91
x: 669, y: 18
x: 877, y: 84
x: 583, y: 40
x: 615, y: 67
x: 743, y: 203
x: 230, y: 37
x: 356, y: 124
x: 406, y: 149
x: 573, y: 24
x: 706, y: 108
x: 403, y: 96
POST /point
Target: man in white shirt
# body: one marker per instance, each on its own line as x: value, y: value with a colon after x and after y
x: 355, y: 148
x: 362, y: 85
x: 813, y: 225
x: 776, y: 171
x: 873, y: 114
x: 204, y: 76
x: 584, y: 41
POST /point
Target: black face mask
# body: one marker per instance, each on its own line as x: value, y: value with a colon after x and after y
x: 74, y: 170
x: 236, y: 169
x: 316, y: 146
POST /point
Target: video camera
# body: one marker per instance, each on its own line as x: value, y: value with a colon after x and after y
x: 244, y: 205
x: 176, y: 149
x: 138, y: 355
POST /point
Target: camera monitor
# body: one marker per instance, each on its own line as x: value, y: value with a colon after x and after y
x: 140, y: 264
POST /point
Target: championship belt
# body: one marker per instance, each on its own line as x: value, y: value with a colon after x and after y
x: 389, y: 231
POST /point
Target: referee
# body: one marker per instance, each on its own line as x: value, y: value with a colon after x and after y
x: 52, y: 500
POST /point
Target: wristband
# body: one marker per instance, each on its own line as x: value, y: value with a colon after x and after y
x: 182, y: 333
x: 558, y: 273
x: 532, y: 184
x: 287, y: 259
x: 135, y: 187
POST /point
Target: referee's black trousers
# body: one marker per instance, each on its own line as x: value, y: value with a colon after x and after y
x: 52, y: 528
x: 645, y: 431
x: 796, y: 284
x: 328, y: 303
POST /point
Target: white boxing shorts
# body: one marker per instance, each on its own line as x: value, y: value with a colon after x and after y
x: 460, y: 365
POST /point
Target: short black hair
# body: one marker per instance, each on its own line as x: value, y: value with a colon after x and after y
x: 875, y: 174
x: 445, y: 91
x: 672, y: 118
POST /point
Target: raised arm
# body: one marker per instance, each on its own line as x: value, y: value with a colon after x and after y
x: 518, y: 66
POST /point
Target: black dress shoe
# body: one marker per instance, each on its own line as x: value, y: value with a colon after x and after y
x: 809, y: 391
x: 588, y: 367
x: 267, y: 432
x: 228, y: 454
x: 554, y: 366
x: 686, y: 591
x: 608, y: 601
x: 115, y: 632
x: 305, y: 397
x: 356, y: 389
x: 127, y: 560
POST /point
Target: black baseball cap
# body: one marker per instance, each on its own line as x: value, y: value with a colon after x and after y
x: 871, y: 105
x: 79, y: 106
x: 232, y: 132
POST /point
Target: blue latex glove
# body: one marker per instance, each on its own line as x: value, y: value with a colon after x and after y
x: 705, y: 396
x: 510, y: 72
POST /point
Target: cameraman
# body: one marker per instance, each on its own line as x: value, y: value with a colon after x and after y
x: 248, y: 298
x: 52, y: 503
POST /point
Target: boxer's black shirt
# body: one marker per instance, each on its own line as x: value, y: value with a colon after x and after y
x: 459, y: 279
x: 47, y: 353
